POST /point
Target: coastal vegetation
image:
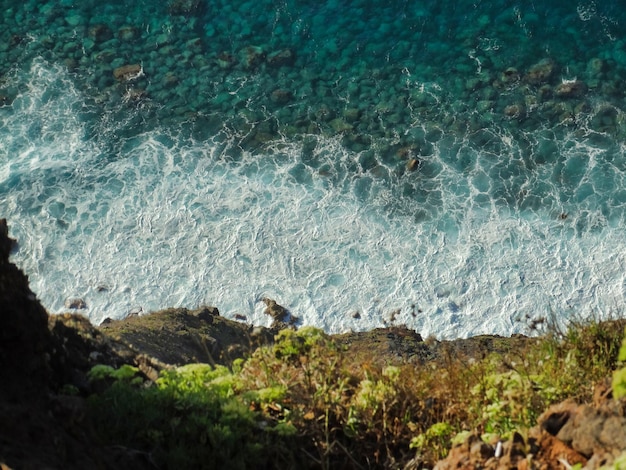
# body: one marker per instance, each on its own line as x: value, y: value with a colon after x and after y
x: 303, y: 402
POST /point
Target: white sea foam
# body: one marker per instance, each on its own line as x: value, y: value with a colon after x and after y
x: 158, y: 223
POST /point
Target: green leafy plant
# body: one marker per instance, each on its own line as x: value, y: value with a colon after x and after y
x: 619, y: 376
x: 124, y: 373
x: 189, y: 418
x: 436, y: 438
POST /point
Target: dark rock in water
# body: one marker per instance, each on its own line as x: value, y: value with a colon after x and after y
x: 277, y: 312
x: 75, y: 304
x: 281, y: 96
x: 251, y: 56
x: 285, y: 57
x: 571, y: 89
x: 514, y: 111
x: 351, y: 115
x: 544, y: 93
x: 170, y: 80
x: 340, y: 126
x: 225, y: 60
x: 541, y: 72
x: 195, y: 45
x: 127, y: 33
x: 100, y: 33
x: 282, y: 317
x: 183, y: 7
x: 134, y: 95
x: 597, y: 67
x: 127, y: 73
x: 510, y: 76
x: 25, y: 342
x: 413, y: 164
x: 70, y: 63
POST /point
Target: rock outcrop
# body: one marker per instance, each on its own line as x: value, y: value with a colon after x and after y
x: 567, y: 434
x: 24, y: 337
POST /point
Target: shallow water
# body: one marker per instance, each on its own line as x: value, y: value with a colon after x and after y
x: 420, y: 165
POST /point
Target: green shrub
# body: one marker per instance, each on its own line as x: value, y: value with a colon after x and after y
x: 436, y: 439
x: 189, y: 418
x: 304, y: 403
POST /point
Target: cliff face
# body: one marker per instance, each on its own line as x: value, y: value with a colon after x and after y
x: 38, y: 354
x: 24, y: 335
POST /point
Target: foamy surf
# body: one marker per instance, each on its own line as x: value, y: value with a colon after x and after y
x: 156, y: 220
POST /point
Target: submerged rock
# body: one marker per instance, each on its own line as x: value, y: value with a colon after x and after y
x: 183, y: 7
x: 281, y: 96
x: 251, y: 56
x: 284, y: 57
x: 596, y: 67
x: 339, y: 125
x: 225, y: 60
x: 571, y: 89
x: 541, y: 72
x: 510, y: 76
x: 514, y: 111
x: 127, y: 33
x: 100, y: 33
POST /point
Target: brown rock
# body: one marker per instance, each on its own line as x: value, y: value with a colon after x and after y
x: 514, y: 111
x: 277, y: 312
x: 555, y: 417
x: 571, y: 89
x: 75, y: 304
x: 127, y: 73
x: 587, y: 430
x: 413, y: 164
x: 554, y: 450
x: 541, y: 72
x: 206, y: 313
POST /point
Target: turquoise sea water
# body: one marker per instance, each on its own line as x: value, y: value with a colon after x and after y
x: 458, y: 167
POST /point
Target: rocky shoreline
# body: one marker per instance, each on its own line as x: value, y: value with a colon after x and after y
x: 42, y: 355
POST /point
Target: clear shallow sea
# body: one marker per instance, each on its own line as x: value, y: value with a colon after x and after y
x: 455, y: 166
